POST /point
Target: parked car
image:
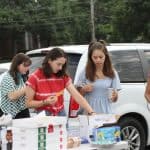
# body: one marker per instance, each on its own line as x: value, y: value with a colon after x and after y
x: 132, y: 63
x: 4, y: 67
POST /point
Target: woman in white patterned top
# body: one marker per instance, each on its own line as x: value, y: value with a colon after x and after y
x: 13, y: 88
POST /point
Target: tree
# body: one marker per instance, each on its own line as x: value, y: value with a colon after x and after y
x: 130, y: 21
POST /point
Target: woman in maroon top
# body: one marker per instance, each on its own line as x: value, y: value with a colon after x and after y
x: 46, y: 85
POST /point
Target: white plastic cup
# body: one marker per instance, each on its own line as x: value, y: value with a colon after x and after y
x: 110, y: 91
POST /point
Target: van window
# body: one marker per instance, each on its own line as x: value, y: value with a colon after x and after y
x: 147, y: 56
x: 36, y: 62
x: 73, y: 60
x: 128, y: 65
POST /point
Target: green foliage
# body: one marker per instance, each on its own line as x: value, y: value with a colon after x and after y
x: 68, y: 21
x: 130, y: 20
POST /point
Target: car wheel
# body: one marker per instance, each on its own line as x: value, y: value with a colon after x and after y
x: 133, y: 132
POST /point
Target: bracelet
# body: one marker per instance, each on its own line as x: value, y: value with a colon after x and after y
x: 91, y: 113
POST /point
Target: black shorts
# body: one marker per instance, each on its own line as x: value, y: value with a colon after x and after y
x: 23, y: 114
x: 1, y: 112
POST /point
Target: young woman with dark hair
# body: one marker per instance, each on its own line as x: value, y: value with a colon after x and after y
x: 46, y: 85
x: 13, y: 87
x: 97, y: 77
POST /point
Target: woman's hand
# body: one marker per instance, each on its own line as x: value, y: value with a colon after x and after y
x: 51, y: 100
x: 147, y: 91
x: 87, y: 88
x: 23, y: 89
x: 14, y: 96
x: 114, y: 96
x: 92, y: 113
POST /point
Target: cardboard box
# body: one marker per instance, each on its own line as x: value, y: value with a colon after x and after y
x: 41, y: 133
x: 88, y: 123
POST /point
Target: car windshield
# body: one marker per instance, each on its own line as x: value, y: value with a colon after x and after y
x: 73, y: 60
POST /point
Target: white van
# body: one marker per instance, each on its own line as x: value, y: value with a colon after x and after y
x: 132, y: 63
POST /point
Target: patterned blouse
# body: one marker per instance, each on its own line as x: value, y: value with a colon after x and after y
x: 8, y: 85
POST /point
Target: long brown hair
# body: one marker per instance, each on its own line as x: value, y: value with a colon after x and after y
x: 16, y: 61
x: 90, y: 66
x: 53, y: 55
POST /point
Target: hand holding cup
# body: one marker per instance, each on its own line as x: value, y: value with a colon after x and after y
x: 112, y: 94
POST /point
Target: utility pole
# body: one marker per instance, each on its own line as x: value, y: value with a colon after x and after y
x: 26, y: 40
x: 92, y: 20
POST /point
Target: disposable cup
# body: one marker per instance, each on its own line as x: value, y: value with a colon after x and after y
x: 110, y: 91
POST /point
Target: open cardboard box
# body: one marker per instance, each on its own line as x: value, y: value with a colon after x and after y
x: 88, y: 123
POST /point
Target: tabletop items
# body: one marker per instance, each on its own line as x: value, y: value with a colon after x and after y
x: 53, y: 132
x: 5, y: 120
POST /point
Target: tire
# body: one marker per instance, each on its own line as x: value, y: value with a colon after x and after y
x: 133, y: 132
